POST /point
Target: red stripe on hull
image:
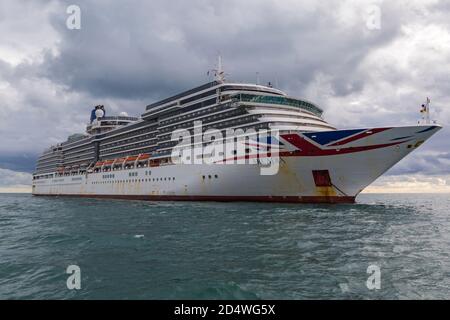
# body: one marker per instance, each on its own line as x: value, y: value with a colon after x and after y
x: 276, y: 199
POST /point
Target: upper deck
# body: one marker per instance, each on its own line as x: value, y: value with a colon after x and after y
x: 104, y: 124
x: 242, y: 92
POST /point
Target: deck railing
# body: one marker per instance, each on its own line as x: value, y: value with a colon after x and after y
x: 304, y: 105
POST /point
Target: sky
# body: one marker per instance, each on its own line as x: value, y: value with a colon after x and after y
x: 366, y: 63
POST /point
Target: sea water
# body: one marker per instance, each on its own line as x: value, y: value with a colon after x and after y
x: 392, y: 246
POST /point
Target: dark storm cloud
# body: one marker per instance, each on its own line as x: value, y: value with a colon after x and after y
x: 22, y: 163
x: 147, y: 49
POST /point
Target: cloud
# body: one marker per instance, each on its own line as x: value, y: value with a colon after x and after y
x: 151, y: 49
x: 418, y: 183
x: 129, y: 54
x: 25, y: 31
x: 13, y: 181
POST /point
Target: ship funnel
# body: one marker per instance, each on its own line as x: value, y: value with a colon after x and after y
x: 99, y: 113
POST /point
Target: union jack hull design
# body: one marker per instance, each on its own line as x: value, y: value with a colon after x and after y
x: 328, y: 166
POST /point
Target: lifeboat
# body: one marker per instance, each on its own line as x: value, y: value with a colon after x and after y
x: 144, y: 156
x: 131, y: 159
x: 108, y: 162
x: 99, y: 164
x: 143, y: 159
x: 119, y: 161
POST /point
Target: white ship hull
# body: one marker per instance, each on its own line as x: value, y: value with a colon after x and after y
x: 350, y: 159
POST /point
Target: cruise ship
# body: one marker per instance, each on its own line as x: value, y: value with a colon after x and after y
x: 126, y: 157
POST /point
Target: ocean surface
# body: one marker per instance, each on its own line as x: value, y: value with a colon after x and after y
x: 180, y: 250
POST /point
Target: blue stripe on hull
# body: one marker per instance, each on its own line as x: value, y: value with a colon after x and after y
x: 327, y: 137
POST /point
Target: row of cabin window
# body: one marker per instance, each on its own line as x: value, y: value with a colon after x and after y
x: 135, y: 180
x: 222, y: 126
x: 208, y: 119
x: 131, y: 146
x: 125, y: 154
x: 68, y: 174
x: 200, y: 96
x: 216, y: 126
x: 119, y: 168
x: 130, y: 134
x: 246, y: 119
x: 192, y: 115
x: 75, y: 158
x: 192, y: 107
x: 133, y: 138
x: 210, y: 177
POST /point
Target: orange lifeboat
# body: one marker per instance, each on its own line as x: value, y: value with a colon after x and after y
x: 143, y: 156
x: 131, y: 159
x: 108, y: 162
x: 119, y: 161
x: 99, y: 164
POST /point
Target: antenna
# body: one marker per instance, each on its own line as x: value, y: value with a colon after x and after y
x: 219, y: 74
x: 257, y: 78
x: 426, y: 112
x: 219, y: 65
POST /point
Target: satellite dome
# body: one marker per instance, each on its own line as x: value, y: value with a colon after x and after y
x: 99, y: 113
x: 124, y: 114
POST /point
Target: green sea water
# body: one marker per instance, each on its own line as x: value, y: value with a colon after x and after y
x: 194, y: 250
